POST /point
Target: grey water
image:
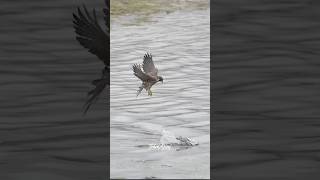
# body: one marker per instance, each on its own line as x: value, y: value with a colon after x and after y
x: 180, y: 45
x: 266, y: 89
x: 45, y: 75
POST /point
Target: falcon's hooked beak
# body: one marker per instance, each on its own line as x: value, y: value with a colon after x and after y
x: 161, y: 79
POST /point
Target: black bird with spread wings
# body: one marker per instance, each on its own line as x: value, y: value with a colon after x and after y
x: 149, y: 75
x: 91, y: 36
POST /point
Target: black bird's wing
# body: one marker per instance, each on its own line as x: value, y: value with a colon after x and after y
x: 91, y: 36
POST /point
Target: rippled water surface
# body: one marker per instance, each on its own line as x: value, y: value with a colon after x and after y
x: 179, y: 43
x: 45, y: 75
x: 266, y: 89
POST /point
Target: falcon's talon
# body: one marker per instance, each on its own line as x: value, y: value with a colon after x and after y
x: 149, y: 75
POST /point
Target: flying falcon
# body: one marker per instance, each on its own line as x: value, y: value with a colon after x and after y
x: 149, y: 75
x: 91, y: 36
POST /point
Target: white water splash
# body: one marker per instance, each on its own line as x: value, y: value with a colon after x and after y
x: 168, y: 137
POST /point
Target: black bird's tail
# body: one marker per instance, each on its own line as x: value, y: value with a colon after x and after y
x: 94, y: 93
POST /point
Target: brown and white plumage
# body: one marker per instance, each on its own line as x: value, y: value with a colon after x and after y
x: 148, y: 74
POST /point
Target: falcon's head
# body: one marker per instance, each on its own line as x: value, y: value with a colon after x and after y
x: 160, y: 79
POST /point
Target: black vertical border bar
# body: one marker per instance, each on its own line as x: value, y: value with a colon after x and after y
x: 108, y: 99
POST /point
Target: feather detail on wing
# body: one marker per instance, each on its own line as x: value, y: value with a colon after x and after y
x: 148, y: 65
x: 90, y: 35
x: 140, y: 74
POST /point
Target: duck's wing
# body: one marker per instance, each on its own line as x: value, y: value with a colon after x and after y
x: 90, y: 35
x: 148, y: 65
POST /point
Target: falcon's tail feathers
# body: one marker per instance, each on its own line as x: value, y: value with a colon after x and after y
x: 139, y: 90
x: 94, y: 93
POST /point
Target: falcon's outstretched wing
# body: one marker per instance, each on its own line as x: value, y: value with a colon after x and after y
x: 141, y: 75
x: 90, y: 35
x: 148, y: 65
